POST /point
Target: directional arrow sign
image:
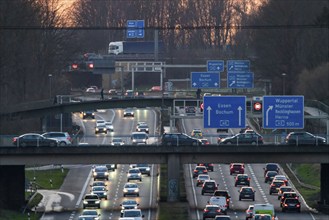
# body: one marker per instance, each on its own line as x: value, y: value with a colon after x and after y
x: 205, y: 80
x: 238, y: 65
x: 240, y: 80
x: 215, y: 65
x: 283, y: 112
x: 224, y: 112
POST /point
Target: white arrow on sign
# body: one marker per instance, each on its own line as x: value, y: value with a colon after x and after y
x: 239, y: 109
x: 209, y: 110
x: 233, y: 82
x: 267, y: 110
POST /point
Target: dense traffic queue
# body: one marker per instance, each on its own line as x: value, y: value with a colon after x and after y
x: 92, y: 200
x: 218, y: 204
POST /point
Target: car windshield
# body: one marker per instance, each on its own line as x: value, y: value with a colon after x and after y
x: 98, y: 188
x: 91, y: 197
x: 129, y: 202
x: 247, y: 190
x: 139, y: 136
x: 100, y: 169
x: 132, y: 214
x: 132, y: 185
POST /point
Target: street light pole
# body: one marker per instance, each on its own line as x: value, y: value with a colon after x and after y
x: 284, y: 83
x: 50, y: 75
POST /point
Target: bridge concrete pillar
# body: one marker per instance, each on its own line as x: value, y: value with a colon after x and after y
x: 173, y: 177
x: 12, y: 187
x: 324, y: 193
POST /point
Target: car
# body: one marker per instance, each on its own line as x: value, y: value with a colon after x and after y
x: 100, y: 122
x: 284, y: 189
x: 283, y: 178
x: 88, y: 114
x: 210, y: 211
x: 109, y: 126
x: 98, y: 183
x: 271, y: 167
x: 111, y: 166
x: 100, y: 128
x: 242, y: 179
x: 220, y: 201
x: 129, y: 93
x: 304, y: 138
x: 210, y: 166
x: 91, y: 200
x: 222, y: 217
x: 199, y: 170
x: 178, y: 139
x: 34, y: 140
x: 130, y: 189
x: 141, y: 123
x: 128, y: 112
x: 128, y: 204
x: 247, y: 192
x: 236, y: 168
x: 101, y: 191
x: 139, y: 138
x: 155, y: 89
x: 112, y: 92
x: 204, y: 141
x: 91, y: 213
x: 209, y: 186
x: 136, y: 214
x: 201, y: 178
x: 87, y: 217
x: 291, y: 204
x: 196, y: 133
x: 140, y: 94
x: 101, y: 172
x: 90, y: 90
x: 143, y: 167
x: 117, y: 142
x: 222, y: 192
x: 134, y: 174
x: 63, y: 138
x: 287, y: 195
x: 249, y: 212
x: 243, y: 138
x: 269, y: 176
x: 190, y: 110
x: 142, y: 128
x: 221, y: 136
x: 275, y: 186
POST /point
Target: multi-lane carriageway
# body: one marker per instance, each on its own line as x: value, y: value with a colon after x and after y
x: 157, y: 154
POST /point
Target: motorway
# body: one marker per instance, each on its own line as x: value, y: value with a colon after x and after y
x: 69, y: 206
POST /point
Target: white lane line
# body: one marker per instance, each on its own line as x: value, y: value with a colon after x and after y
x: 257, y: 184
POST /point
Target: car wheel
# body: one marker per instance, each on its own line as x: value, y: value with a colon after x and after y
x: 194, y: 144
x: 202, y: 193
x: 99, y: 206
x: 253, y: 199
x: 124, y: 195
x: 283, y: 210
x: 235, y: 185
x: 253, y: 143
x: 83, y: 206
x: 298, y: 210
x: 228, y: 142
x: 270, y: 193
x: 225, y: 212
x: 239, y: 198
x: 62, y: 143
x: 278, y: 197
x: 138, y: 195
x: 94, y: 179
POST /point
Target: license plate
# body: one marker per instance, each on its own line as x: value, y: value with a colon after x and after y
x: 247, y: 195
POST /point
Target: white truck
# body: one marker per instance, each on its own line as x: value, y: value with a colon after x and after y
x: 134, y: 47
x: 220, y: 201
x: 261, y: 210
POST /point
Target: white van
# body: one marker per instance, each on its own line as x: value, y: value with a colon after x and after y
x: 139, y: 138
x: 220, y: 201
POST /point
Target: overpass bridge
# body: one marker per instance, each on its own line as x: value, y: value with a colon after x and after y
x: 14, y: 159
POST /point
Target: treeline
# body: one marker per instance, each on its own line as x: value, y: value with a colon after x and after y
x: 277, y: 36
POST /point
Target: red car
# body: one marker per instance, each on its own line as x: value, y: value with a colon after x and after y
x: 236, y: 168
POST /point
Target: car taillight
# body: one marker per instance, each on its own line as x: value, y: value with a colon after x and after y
x: 218, y: 210
x: 272, y: 185
x: 205, y: 210
x: 14, y: 139
x: 226, y: 205
x: 298, y: 205
x: 204, y: 171
x: 227, y: 200
x: 285, y: 205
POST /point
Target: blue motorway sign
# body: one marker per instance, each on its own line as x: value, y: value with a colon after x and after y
x: 238, y: 65
x: 205, y: 80
x: 135, y: 28
x: 224, y: 112
x: 215, y: 65
x: 283, y: 112
x: 240, y: 80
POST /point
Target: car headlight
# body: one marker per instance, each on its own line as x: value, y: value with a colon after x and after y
x: 125, y: 190
x: 93, y: 113
x: 136, y: 190
x: 97, y: 129
x: 106, y: 173
x: 95, y: 174
x: 147, y: 169
x: 144, y: 140
x: 85, y: 202
x: 97, y: 201
x: 104, y: 193
x: 147, y: 129
x: 134, y: 140
x: 84, y: 113
x: 139, y: 174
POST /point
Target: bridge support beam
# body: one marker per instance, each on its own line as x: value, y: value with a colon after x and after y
x: 324, y: 193
x: 12, y: 187
x: 173, y: 177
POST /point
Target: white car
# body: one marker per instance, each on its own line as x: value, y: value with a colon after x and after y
x: 117, y: 142
x: 91, y: 213
x: 220, y: 201
x: 128, y: 204
x: 130, y: 189
x: 90, y: 90
x: 109, y: 126
x: 134, y: 174
x: 101, y: 191
x: 63, y: 137
x: 128, y: 112
x: 133, y: 213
